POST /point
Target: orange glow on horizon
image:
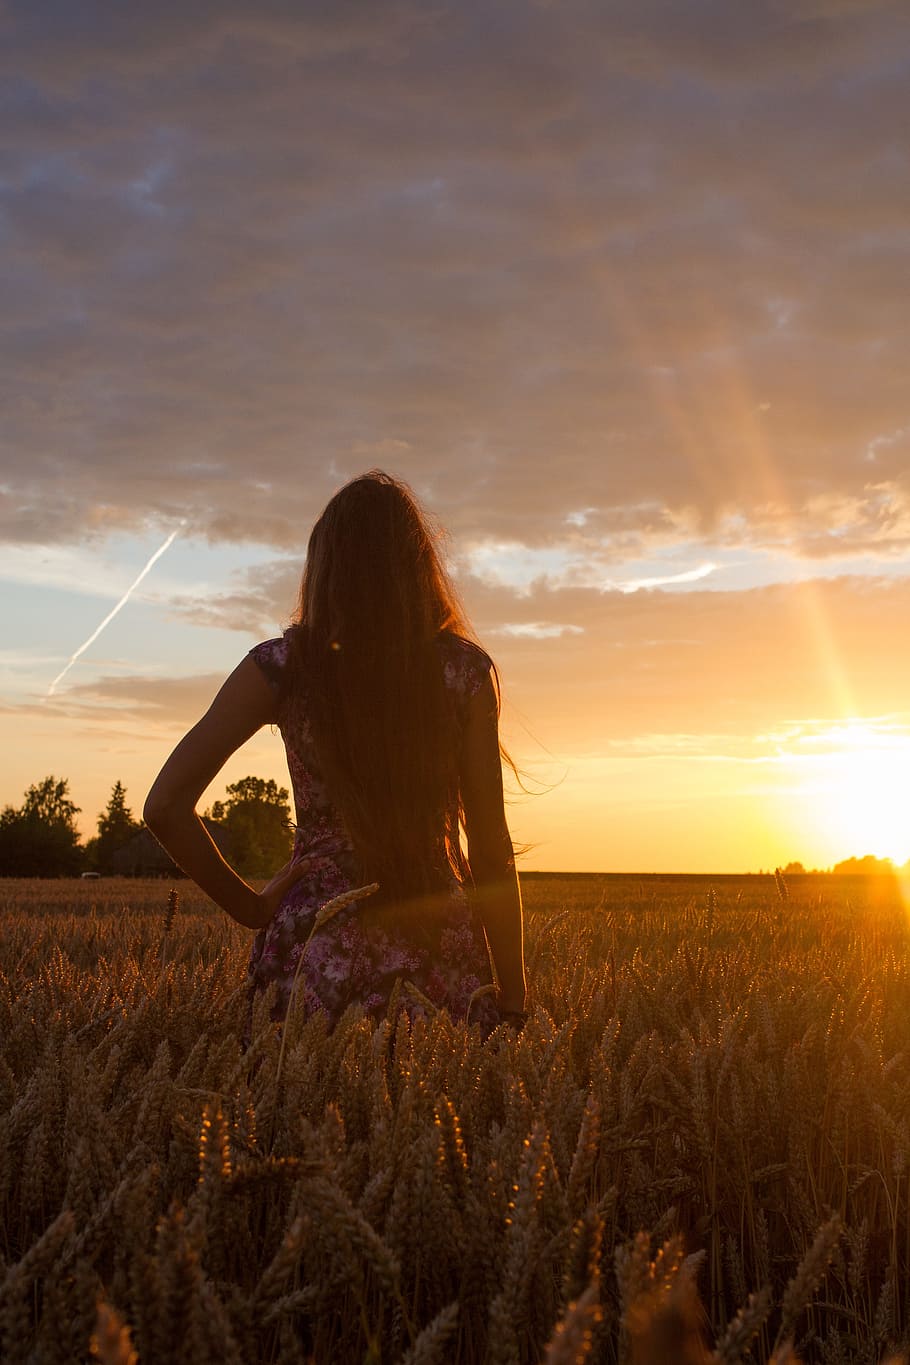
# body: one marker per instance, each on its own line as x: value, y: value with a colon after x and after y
x: 856, y: 779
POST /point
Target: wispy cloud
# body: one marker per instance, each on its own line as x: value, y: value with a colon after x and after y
x: 588, y: 563
x: 660, y: 580
x: 536, y: 630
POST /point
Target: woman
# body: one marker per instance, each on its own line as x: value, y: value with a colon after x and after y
x: 389, y: 715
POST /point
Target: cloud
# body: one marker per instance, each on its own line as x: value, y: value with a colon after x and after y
x: 737, y: 664
x: 265, y: 596
x: 663, y: 580
x: 657, y: 249
x: 754, y: 668
x: 537, y: 630
x: 114, y: 702
x: 581, y: 563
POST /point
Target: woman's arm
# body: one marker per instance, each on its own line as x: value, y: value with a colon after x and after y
x: 490, y: 850
x: 244, y: 704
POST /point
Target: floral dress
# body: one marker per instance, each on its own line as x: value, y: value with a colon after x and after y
x: 347, y: 961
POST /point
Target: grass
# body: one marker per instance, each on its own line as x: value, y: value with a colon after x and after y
x: 707, y: 1113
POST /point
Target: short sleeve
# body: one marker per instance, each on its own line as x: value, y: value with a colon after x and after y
x: 466, y: 667
x: 477, y: 670
x: 271, y: 656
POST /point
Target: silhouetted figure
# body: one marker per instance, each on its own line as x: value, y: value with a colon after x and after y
x: 389, y: 715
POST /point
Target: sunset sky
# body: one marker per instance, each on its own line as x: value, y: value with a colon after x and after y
x: 621, y: 289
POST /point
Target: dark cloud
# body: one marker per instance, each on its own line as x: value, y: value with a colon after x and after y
x: 263, y: 601
x: 112, y: 703
x: 650, y: 259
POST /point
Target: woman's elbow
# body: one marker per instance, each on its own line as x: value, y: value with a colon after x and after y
x: 162, y: 808
x: 153, y: 812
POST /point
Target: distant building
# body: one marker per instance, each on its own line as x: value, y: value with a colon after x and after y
x: 143, y: 856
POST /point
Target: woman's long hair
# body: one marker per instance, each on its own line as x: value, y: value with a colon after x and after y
x: 375, y: 601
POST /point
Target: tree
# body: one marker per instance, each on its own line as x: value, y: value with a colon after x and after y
x: 257, y: 820
x: 40, y: 839
x: 49, y: 801
x: 115, y: 826
x: 868, y: 866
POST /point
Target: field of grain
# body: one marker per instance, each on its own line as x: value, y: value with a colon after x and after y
x: 711, y: 1098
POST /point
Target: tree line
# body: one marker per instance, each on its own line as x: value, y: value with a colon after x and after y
x: 867, y: 866
x: 40, y: 838
x: 252, y: 824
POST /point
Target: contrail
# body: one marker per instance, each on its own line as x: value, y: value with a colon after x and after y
x: 111, y: 614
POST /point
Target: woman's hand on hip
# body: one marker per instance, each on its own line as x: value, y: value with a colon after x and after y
x: 274, y: 891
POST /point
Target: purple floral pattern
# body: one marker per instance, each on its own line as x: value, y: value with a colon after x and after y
x: 348, y: 961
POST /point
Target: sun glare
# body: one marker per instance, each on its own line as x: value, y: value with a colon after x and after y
x: 864, y: 794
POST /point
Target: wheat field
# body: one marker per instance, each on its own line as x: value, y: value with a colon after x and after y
x: 697, y: 1149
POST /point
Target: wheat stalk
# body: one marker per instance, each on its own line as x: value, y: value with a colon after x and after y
x: 173, y: 901
x: 322, y: 916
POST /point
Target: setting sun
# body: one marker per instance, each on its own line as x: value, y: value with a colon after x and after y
x: 863, y: 789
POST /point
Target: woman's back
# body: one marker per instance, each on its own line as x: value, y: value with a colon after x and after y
x: 434, y: 942
x: 320, y: 827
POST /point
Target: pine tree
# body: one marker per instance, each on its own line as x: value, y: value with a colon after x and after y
x: 115, y: 826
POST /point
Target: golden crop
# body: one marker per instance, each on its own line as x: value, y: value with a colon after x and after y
x: 710, y: 1105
